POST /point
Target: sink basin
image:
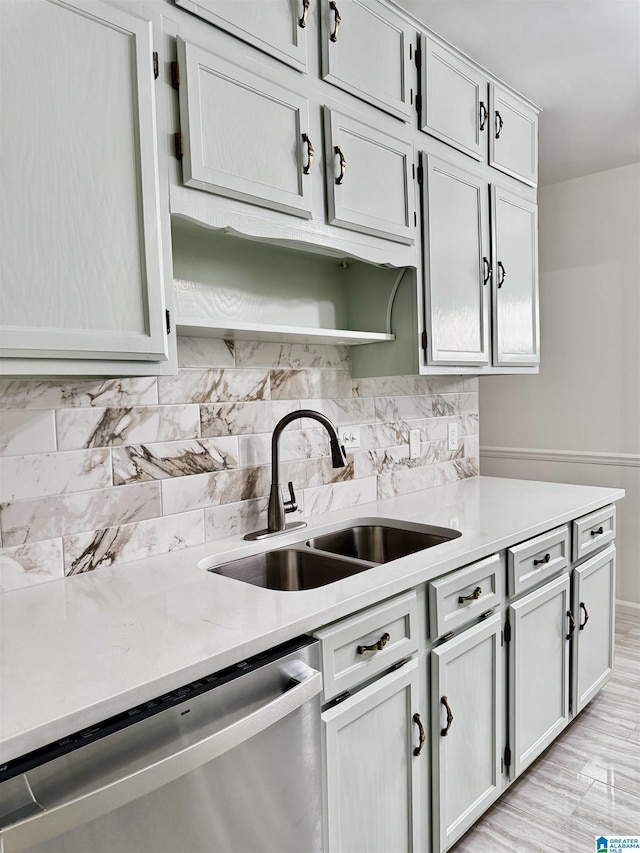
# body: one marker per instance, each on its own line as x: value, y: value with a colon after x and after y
x: 381, y: 543
x: 333, y: 556
x: 290, y: 569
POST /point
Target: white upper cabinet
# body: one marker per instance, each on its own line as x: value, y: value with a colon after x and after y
x: 278, y: 27
x: 516, y: 333
x: 81, y: 267
x: 460, y: 106
x: 244, y: 135
x: 454, y: 105
x: 457, y: 265
x: 369, y: 183
x: 366, y: 51
x: 513, y: 137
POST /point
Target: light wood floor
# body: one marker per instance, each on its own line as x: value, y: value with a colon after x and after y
x: 588, y: 782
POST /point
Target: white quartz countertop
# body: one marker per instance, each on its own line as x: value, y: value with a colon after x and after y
x: 77, y: 650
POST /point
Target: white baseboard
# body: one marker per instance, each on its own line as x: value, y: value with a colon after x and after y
x: 583, y: 457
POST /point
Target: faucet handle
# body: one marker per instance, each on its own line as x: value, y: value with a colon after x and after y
x: 291, y: 505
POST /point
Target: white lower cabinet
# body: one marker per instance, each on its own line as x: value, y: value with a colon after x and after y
x: 541, y: 627
x: 467, y: 728
x: 499, y: 690
x: 372, y: 772
x: 593, y: 601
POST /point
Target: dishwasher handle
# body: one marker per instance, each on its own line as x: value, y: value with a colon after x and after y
x: 79, y: 810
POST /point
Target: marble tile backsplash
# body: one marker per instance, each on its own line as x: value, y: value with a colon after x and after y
x: 96, y: 472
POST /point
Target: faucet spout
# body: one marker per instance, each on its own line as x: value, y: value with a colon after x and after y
x: 277, y: 506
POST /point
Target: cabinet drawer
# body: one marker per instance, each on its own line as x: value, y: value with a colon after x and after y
x: 592, y: 532
x: 461, y: 597
x: 534, y: 561
x: 346, y: 662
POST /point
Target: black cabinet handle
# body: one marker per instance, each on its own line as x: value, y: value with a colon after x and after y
x: 336, y: 21
x: 310, y: 152
x: 484, y: 115
x: 544, y: 560
x: 302, y: 22
x: 598, y: 532
x: 583, y: 606
x: 487, y: 270
x: 573, y: 624
x: 444, y: 701
x: 423, y: 737
x: 343, y: 164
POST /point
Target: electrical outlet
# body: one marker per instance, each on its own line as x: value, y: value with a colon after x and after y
x: 452, y: 436
x: 414, y: 443
x: 349, y: 437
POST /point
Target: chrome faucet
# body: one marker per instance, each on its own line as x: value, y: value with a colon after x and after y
x: 277, y: 506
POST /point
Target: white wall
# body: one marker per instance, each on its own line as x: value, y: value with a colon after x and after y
x: 579, y: 419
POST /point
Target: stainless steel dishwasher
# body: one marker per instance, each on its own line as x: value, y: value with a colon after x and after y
x: 227, y: 763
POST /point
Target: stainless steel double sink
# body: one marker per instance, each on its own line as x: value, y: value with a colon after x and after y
x: 336, y: 555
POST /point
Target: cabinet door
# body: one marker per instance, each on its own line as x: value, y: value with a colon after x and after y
x: 365, y: 51
x: 81, y: 273
x: 456, y: 264
x: 454, y: 100
x: 593, y: 610
x: 368, y: 179
x: 513, y: 140
x: 538, y: 671
x: 278, y: 27
x: 372, y: 796
x: 516, y: 324
x: 466, y: 680
x: 243, y: 133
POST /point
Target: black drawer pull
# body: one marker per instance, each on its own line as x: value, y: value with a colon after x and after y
x: 474, y: 596
x: 375, y: 647
x: 598, y: 532
x: 544, y: 560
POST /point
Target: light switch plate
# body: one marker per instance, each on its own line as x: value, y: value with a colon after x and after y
x: 414, y: 443
x: 452, y: 436
x: 349, y: 437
